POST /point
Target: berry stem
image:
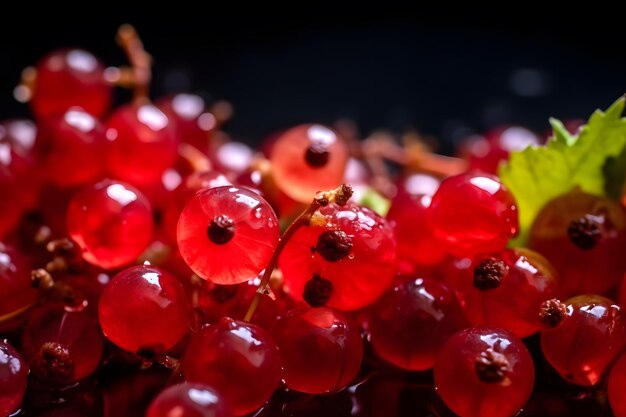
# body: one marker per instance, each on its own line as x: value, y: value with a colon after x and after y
x: 141, y: 61
x: 339, y: 195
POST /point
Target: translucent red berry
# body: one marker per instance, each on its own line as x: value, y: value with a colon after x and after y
x: 347, y: 263
x: 71, y: 145
x: 307, y: 159
x: 13, y: 376
x: 321, y: 350
x: 142, y: 143
x: 144, y: 310
x: 111, y: 222
x: 178, y: 199
x: 473, y: 214
x: 506, y: 290
x: 192, y: 121
x: 484, y: 372
x: 189, y: 400
x: 617, y: 386
x: 417, y: 245
x: 62, y: 346
x: 238, y: 359
x: 486, y: 152
x: 227, y: 234
x: 583, y: 236
x: 67, y: 78
x: 421, y: 306
x: 16, y: 292
x: 587, y: 341
x: 19, y: 172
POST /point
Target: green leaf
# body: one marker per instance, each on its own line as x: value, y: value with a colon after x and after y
x: 615, y: 175
x: 374, y: 200
x: 538, y: 174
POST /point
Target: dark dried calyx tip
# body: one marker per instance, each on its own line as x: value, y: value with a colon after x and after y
x: 317, y: 155
x: 489, y: 273
x: 221, y: 230
x: 333, y: 245
x: 491, y: 367
x: 343, y: 194
x: 54, y: 363
x: 317, y: 291
x: 41, y: 278
x: 552, y: 312
x: 585, y: 232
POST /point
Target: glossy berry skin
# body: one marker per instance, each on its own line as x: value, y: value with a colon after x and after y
x: 142, y: 143
x: 13, y: 376
x: 485, y: 153
x: 77, y: 331
x: 321, y: 350
x: 300, y: 179
x: 473, y: 214
x: 590, y: 337
x: 19, y: 171
x: 457, y: 378
x: 249, y: 245
x: 230, y: 351
x: 414, y: 307
x: 189, y: 400
x: 593, y: 271
x: 514, y: 304
x: 71, y: 145
x: 111, y: 222
x: 617, y: 385
x: 67, y: 78
x: 191, y: 120
x: 144, y: 308
x: 180, y: 196
x: 417, y: 245
x: 357, y: 279
x: 16, y: 291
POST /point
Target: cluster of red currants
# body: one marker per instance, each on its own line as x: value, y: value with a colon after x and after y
x: 142, y: 266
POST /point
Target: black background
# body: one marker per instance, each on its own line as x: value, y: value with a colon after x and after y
x: 444, y: 75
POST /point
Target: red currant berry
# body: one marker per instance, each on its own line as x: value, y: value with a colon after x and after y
x: 144, y: 310
x: 346, y: 264
x: 583, y: 236
x: 486, y: 152
x: 142, y: 144
x: 321, y: 350
x: 67, y: 78
x: 189, y: 400
x: 181, y: 195
x: 484, y: 372
x: 586, y: 342
x: 473, y: 214
x: 71, y: 145
x: 16, y: 292
x: 307, y: 159
x: 420, y: 306
x: 111, y: 222
x: 235, y: 351
x: 506, y: 290
x: 417, y: 245
x: 13, y: 376
x: 188, y: 114
x: 227, y: 234
x: 62, y: 346
x: 19, y: 173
